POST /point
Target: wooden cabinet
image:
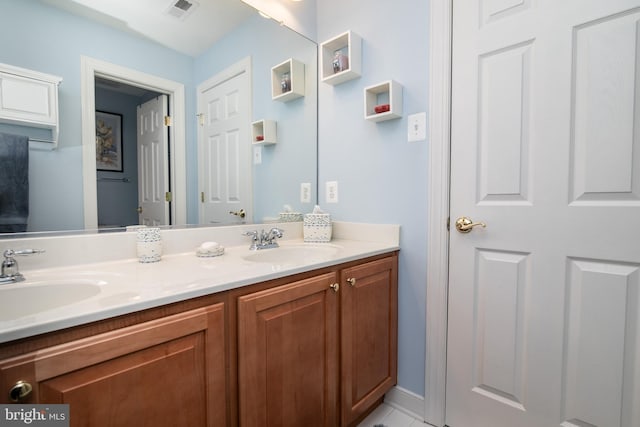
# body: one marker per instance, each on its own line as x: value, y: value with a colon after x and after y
x: 165, y: 372
x: 314, y: 349
x: 318, y: 351
x: 287, y: 354
x: 369, y: 324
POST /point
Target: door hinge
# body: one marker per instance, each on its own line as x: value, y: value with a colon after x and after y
x: 202, y: 196
x: 449, y: 224
x: 167, y: 120
x: 200, y: 119
x: 167, y: 196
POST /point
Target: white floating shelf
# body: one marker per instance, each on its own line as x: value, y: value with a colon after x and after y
x: 295, y: 86
x: 349, y: 44
x: 385, y: 97
x: 263, y: 132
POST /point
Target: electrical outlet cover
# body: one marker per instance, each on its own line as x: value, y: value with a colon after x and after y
x: 332, y: 191
x: 305, y: 192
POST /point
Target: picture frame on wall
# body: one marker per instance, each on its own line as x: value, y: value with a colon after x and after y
x: 108, y: 141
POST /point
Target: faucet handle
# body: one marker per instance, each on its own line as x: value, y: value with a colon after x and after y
x: 10, y: 266
x: 11, y: 252
x: 254, y: 239
x: 277, y: 232
x: 253, y: 234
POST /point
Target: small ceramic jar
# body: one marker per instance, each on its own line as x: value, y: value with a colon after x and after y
x: 149, y: 244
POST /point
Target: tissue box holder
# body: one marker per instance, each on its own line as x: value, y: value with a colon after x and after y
x: 290, y: 216
x: 316, y: 228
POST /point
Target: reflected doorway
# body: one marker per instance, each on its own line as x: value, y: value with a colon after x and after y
x: 118, y: 198
x: 92, y: 68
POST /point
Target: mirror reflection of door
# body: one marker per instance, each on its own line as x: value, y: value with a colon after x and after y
x: 153, y: 164
x: 117, y: 191
x: 224, y: 148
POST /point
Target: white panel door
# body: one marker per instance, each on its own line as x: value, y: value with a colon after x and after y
x: 544, y: 319
x: 224, y: 149
x: 153, y: 162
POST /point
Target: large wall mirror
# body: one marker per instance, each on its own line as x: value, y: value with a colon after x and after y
x: 55, y: 37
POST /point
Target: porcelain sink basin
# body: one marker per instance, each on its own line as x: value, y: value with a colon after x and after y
x: 20, y: 300
x: 296, y: 254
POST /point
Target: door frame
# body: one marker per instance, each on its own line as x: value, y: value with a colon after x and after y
x: 440, y: 45
x: 92, y: 68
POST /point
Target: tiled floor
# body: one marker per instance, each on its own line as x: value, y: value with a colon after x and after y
x: 390, y: 417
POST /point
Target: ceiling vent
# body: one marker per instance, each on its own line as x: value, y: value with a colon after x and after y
x: 182, y: 8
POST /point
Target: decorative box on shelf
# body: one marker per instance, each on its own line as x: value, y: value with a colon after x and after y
x: 341, y: 58
x: 287, y: 80
x: 383, y: 101
x: 264, y: 132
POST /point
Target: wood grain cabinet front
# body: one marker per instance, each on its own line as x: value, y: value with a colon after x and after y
x: 315, y: 349
x: 165, y: 372
x: 369, y: 335
x: 319, y: 351
x: 287, y: 354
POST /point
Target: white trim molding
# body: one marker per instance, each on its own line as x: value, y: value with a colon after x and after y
x: 405, y: 401
x: 440, y: 21
x: 90, y: 68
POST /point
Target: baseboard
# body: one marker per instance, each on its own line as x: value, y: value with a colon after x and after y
x: 406, y: 401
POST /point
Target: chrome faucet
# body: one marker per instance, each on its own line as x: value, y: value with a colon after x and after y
x: 10, y: 272
x: 264, y: 239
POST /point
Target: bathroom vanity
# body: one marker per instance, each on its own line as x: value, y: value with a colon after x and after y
x: 266, y: 341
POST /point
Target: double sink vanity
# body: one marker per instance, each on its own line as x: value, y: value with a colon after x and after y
x: 298, y: 335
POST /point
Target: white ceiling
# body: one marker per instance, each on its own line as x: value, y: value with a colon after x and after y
x: 209, y: 21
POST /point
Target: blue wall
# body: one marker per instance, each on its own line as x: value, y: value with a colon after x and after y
x: 54, y: 44
x: 295, y: 151
x: 382, y: 178
x: 36, y: 36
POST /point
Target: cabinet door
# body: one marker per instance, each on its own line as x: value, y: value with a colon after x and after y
x: 166, y: 372
x: 288, y: 355
x: 369, y: 322
x: 28, y: 100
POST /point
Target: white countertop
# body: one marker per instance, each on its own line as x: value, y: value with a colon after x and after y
x: 126, y: 285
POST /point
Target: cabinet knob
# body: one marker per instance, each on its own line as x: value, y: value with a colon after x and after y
x: 351, y: 281
x: 19, y: 391
x: 335, y: 287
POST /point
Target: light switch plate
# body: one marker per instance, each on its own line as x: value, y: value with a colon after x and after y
x: 332, y: 191
x: 257, y: 155
x: 417, y: 127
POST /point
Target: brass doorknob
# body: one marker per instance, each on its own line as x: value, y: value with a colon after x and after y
x: 465, y: 225
x: 139, y: 210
